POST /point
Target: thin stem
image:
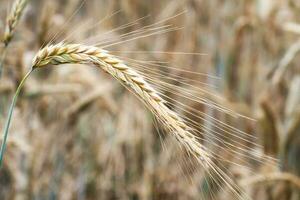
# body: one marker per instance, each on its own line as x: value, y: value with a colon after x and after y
x: 10, y: 112
x: 2, y: 59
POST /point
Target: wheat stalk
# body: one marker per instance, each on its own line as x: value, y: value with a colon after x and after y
x: 10, y: 112
x: 76, y: 53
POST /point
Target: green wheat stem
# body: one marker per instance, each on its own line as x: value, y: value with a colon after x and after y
x: 2, y: 59
x: 10, y: 112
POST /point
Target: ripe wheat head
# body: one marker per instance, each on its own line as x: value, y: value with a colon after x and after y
x: 76, y: 53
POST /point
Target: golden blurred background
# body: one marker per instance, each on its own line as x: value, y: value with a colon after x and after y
x: 77, y: 134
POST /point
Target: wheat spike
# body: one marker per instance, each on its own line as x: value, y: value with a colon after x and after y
x: 13, y: 19
x: 75, y: 53
x: 62, y: 53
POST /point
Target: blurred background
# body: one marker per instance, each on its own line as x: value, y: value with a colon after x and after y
x: 77, y: 134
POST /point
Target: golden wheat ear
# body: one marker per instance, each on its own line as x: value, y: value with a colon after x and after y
x: 62, y: 53
x: 75, y: 53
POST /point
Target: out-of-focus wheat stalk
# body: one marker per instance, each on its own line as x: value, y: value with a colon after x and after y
x: 11, y: 24
x: 278, y: 176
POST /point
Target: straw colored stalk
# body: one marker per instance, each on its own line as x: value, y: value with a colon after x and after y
x: 76, y: 53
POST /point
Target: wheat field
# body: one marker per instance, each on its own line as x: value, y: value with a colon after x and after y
x: 161, y: 99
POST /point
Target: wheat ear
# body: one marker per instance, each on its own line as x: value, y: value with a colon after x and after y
x: 13, y: 19
x: 11, y: 24
x: 75, y: 53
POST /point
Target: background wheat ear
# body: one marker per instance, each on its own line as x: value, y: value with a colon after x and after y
x: 11, y: 24
x: 13, y: 20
